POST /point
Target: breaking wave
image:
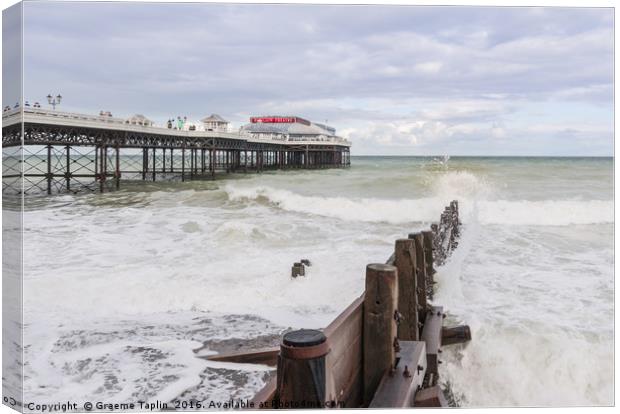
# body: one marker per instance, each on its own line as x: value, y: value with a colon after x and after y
x: 397, y: 211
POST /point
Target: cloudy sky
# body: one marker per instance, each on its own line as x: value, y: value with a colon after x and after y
x: 393, y: 79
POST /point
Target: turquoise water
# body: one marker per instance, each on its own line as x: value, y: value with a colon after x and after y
x: 168, y: 268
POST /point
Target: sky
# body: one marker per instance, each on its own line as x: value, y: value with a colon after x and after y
x: 395, y: 80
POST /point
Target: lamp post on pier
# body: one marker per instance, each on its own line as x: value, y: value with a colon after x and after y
x: 54, y: 100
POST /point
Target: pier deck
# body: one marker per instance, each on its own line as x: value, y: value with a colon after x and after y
x: 46, y: 152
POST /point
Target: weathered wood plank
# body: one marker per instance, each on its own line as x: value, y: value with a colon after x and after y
x: 347, y: 377
x: 431, y: 398
x: 341, y: 319
x: 405, y: 261
x: 344, y: 361
x: 397, y: 389
x: 420, y: 270
x: 431, y: 334
x: 428, y: 258
x: 265, y: 356
x: 379, y: 332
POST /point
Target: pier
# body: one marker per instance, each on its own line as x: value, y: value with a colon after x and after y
x: 50, y: 152
x: 383, y: 350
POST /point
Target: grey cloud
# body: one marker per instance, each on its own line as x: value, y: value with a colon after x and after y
x: 342, y: 63
x: 11, y: 55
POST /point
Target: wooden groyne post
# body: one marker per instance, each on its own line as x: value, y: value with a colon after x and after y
x: 405, y: 261
x: 380, y: 335
x: 301, y: 365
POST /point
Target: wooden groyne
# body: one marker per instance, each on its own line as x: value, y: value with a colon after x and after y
x: 384, y: 349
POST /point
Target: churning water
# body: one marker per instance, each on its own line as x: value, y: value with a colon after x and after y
x: 123, y: 290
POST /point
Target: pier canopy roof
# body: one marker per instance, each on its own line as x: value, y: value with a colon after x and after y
x: 139, y: 119
x: 214, y: 118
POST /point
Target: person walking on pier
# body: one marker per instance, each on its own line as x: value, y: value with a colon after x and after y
x: 181, y: 122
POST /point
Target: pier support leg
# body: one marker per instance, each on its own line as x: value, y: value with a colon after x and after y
x: 49, y: 169
x: 145, y: 158
x: 103, y: 170
x: 203, y: 162
x: 183, y: 163
x: 154, y: 164
x: 117, y: 167
x: 68, y: 168
x: 212, y: 162
x: 97, y: 164
x: 163, y: 159
x: 192, y: 156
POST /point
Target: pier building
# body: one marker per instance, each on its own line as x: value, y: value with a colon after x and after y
x: 288, y: 128
x: 214, y: 122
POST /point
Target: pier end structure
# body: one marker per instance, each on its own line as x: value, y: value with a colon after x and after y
x: 71, y: 152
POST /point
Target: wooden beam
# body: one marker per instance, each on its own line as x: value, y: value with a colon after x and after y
x: 428, y: 258
x: 344, y: 362
x: 431, y: 334
x: 431, y: 398
x: 420, y: 273
x: 265, y: 356
x: 398, y: 388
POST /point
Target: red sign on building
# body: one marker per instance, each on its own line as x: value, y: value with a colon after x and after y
x: 278, y: 120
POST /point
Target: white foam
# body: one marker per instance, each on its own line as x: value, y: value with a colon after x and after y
x: 546, y: 213
x: 538, y: 325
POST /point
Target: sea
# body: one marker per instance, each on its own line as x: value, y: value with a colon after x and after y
x: 126, y: 292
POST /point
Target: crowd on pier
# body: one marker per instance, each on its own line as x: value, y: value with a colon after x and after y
x: 27, y: 104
